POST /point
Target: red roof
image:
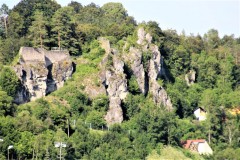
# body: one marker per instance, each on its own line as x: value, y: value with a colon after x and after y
x: 186, y: 144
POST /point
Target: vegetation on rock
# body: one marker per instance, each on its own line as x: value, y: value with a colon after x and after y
x: 75, y: 113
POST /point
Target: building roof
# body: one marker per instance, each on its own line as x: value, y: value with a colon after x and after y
x: 186, y: 144
x: 201, y: 108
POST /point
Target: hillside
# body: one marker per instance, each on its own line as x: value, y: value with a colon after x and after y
x: 108, y: 87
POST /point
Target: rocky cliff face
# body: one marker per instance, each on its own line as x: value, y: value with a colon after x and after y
x: 41, y: 72
x: 114, y: 80
x: 147, y: 77
x: 146, y: 71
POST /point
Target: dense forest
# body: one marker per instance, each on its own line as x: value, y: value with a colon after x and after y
x: 149, y: 130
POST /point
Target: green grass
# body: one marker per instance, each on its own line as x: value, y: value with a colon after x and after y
x: 171, y: 153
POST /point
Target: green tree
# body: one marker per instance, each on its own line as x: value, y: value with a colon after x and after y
x: 15, y: 24
x: 27, y: 8
x: 180, y: 61
x: 63, y: 28
x: 96, y: 119
x: 76, y: 6
x: 24, y: 146
x: 38, y: 29
x: 9, y: 81
x: 212, y: 39
x: 5, y: 104
x: 4, y: 10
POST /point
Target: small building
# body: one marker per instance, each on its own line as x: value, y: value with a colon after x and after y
x: 199, y: 145
x: 200, y: 114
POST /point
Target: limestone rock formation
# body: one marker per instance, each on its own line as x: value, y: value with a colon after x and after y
x: 41, y: 72
x: 190, y: 77
x: 147, y: 79
x: 134, y: 58
x: 115, y: 82
x: 115, y: 113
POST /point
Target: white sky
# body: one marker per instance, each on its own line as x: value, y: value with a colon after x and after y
x: 192, y: 16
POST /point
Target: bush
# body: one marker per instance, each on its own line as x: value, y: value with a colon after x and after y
x: 133, y: 86
x: 96, y: 119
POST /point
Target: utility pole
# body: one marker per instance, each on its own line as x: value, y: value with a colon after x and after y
x: 9, y: 147
x: 60, y: 145
x: 68, y: 127
x: 60, y: 151
x: 5, y: 16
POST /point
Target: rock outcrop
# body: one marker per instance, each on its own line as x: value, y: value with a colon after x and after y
x: 147, y: 77
x: 41, y: 72
x: 190, y: 77
x: 134, y: 59
x: 115, y: 82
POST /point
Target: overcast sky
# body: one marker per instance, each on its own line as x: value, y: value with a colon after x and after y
x: 192, y: 16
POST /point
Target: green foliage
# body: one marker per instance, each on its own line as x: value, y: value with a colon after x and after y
x: 94, y: 51
x: 100, y: 103
x: 24, y: 145
x: 6, y: 106
x: 38, y: 29
x: 63, y: 29
x: 212, y: 39
x: 34, y: 127
x: 146, y: 56
x: 27, y: 8
x: 228, y: 153
x: 76, y: 6
x: 179, y: 61
x: 132, y: 104
x: 168, y: 152
x: 109, y: 61
x: 9, y: 81
x: 96, y: 119
x: 133, y: 85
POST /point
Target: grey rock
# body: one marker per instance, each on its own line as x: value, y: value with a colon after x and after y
x: 148, y: 83
x: 114, y: 114
x: 190, y: 77
x: 115, y: 82
x: 134, y: 58
x: 41, y: 72
x: 105, y: 44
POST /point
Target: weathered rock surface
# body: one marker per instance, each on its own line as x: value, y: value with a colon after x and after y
x: 134, y: 58
x: 115, y: 82
x: 147, y: 79
x: 190, y: 77
x: 115, y: 113
x: 41, y: 72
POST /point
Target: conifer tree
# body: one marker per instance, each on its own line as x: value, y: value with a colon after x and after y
x: 38, y: 29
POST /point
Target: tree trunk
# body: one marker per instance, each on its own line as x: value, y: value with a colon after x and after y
x: 68, y: 127
x: 33, y: 155
x: 41, y: 41
x: 59, y: 41
x: 168, y: 130
x: 209, y: 136
x: 229, y: 135
x: 5, y: 23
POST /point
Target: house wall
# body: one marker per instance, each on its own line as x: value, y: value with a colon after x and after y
x: 204, y: 148
x: 201, y: 116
